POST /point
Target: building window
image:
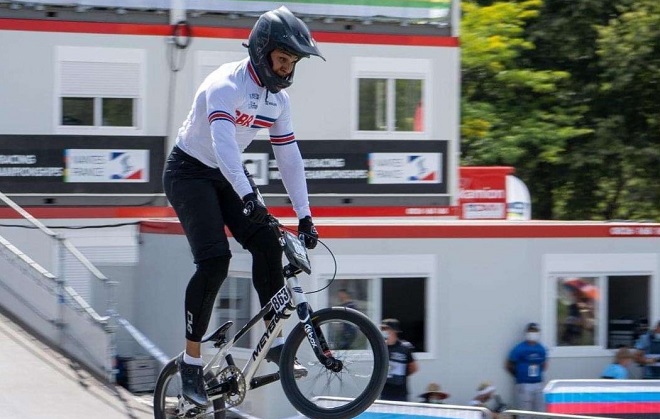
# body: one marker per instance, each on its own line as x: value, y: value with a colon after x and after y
x: 234, y: 304
x: 106, y: 112
x: 376, y: 107
x: 379, y: 298
x: 577, y: 308
x: 615, y: 304
x: 595, y: 304
x: 99, y: 90
x: 390, y: 97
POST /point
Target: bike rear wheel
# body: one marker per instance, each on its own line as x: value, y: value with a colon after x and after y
x: 351, y: 338
x: 168, y: 393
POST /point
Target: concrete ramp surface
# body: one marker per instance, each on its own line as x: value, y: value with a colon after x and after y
x: 37, y: 382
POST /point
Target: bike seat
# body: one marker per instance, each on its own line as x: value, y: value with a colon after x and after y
x: 219, y: 334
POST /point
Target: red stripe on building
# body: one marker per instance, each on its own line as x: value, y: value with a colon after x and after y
x: 395, y: 222
x: 445, y: 231
x: 42, y: 25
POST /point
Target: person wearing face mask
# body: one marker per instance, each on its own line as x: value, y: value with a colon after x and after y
x: 648, y: 352
x: 527, y: 362
x: 402, y: 364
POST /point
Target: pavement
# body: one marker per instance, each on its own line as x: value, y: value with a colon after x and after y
x: 37, y: 382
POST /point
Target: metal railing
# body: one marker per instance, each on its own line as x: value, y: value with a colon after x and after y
x: 47, y: 304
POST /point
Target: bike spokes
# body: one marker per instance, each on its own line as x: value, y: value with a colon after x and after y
x: 351, y: 376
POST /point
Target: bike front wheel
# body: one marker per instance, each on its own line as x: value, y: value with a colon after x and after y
x: 339, y: 393
x: 168, y: 397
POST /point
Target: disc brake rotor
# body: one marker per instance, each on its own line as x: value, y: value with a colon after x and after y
x: 235, y: 396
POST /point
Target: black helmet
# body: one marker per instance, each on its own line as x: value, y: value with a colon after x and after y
x: 278, y: 28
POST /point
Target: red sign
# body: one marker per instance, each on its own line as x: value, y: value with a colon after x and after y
x: 482, y: 193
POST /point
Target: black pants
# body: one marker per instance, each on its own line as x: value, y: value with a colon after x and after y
x: 205, y: 204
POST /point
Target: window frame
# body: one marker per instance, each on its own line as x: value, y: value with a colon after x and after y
x: 100, y: 55
x: 377, y: 268
x: 599, y: 266
x: 391, y: 69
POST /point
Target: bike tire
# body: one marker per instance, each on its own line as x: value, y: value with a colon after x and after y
x: 365, y: 365
x: 161, y: 408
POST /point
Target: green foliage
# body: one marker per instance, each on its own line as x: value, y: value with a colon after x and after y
x: 569, y: 94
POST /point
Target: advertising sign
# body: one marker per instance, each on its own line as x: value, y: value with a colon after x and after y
x: 95, y: 165
x: 67, y: 164
x: 365, y: 167
x: 393, y: 168
x: 482, y: 193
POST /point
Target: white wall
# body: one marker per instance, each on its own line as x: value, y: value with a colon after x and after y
x: 486, y: 290
x: 320, y: 88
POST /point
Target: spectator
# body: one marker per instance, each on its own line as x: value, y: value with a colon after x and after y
x: 648, y: 352
x: 527, y: 363
x: 402, y: 363
x: 434, y: 394
x: 485, y: 393
x: 618, y: 370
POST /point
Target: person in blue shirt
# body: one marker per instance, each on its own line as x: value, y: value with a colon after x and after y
x: 527, y: 362
x: 618, y: 370
x: 648, y: 352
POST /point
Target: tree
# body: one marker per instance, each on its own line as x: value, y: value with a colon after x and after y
x: 629, y: 51
x: 512, y: 113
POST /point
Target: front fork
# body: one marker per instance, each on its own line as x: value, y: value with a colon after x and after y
x: 314, y: 334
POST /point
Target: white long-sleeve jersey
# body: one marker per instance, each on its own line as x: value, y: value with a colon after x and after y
x: 230, y: 106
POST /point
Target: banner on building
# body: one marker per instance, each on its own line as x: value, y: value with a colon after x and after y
x: 364, y: 167
x: 67, y: 164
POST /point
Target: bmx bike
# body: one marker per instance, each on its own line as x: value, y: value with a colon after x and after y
x: 355, y: 371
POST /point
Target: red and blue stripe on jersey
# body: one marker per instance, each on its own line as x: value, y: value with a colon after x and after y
x: 282, y: 139
x: 221, y: 115
x: 261, y: 121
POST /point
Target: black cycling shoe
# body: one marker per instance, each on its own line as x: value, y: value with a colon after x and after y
x: 192, y: 383
x: 273, y: 355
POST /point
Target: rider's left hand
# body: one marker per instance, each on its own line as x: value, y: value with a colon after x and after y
x: 307, y: 232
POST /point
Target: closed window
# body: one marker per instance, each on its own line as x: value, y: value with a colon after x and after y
x: 99, y: 89
x: 106, y: 112
x: 390, y: 97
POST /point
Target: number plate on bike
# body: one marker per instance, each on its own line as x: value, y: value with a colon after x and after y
x: 280, y: 299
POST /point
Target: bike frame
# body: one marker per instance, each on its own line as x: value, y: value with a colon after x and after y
x: 288, y: 299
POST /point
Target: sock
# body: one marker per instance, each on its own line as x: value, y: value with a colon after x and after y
x: 278, y: 341
x: 192, y: 361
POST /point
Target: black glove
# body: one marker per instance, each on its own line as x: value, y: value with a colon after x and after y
x: 307, y: 232
x: 254, y: 209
